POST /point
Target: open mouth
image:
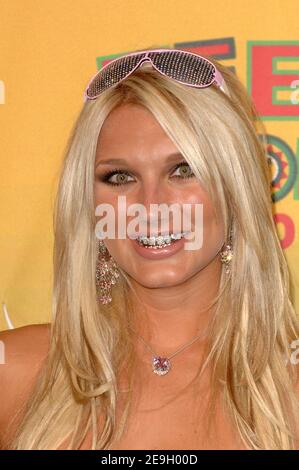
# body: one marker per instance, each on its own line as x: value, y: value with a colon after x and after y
x: 160, y: 246
x: 161, y: 241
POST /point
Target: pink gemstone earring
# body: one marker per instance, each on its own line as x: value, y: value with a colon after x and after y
x: 227, y: 254
x: 107, y: 274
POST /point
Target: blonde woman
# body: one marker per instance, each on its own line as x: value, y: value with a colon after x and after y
x: 151, y: 345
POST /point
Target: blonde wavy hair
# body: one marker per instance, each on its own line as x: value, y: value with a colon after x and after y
x: 222, y: 138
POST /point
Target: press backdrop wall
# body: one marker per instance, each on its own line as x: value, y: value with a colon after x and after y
x: 48, y: 52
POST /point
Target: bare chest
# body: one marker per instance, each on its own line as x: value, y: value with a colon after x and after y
x: 178, y: 424
x: 161, y: 419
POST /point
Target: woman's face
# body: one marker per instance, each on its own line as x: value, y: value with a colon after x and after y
x: 150, y: 170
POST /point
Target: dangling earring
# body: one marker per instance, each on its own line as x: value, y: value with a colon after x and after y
x: 227, y: 253
x: 107, y: 274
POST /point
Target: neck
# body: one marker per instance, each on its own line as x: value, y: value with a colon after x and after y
x: 169, y: 317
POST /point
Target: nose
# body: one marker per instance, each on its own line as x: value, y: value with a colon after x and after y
x: 153, y: 193
x: 151, y: 196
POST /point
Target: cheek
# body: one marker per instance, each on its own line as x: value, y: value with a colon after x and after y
x: 210, y: 223
x: 213, y: 232
x: 104, y: 196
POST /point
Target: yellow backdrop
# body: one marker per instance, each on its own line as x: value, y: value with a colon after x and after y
x: 48, y: 52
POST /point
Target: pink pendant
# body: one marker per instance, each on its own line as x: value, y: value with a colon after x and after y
x: 161, y: 365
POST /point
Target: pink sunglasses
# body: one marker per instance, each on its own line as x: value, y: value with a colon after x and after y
x: 182, y: 66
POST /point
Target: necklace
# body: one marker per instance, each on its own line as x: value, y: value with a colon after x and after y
x: 162, y: 365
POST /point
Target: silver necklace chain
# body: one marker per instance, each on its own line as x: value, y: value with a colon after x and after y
x: 175, y: 353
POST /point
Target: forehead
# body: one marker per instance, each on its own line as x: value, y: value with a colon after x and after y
x: 132, y: 129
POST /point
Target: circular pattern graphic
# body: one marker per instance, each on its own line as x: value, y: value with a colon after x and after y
x: 284, y: 167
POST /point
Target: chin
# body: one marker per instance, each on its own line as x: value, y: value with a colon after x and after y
x: 159, y: 278
x: 158, y: 283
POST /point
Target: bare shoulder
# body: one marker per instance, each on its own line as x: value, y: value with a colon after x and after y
x: 22, y: 352
x: 24, y: 342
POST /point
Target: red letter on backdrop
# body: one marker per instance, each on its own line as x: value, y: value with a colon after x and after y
x: 263, y: 76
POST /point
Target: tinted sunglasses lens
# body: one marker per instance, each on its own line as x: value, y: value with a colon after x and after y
x: 184, y: 67
x: 112, y: 74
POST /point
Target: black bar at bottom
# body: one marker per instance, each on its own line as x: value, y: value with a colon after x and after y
x: 136, y: 458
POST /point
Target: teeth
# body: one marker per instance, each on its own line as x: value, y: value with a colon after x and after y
x: 176, y: 236
x: 160, y: 239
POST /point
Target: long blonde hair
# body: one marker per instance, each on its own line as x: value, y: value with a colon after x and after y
x: 254, y: 322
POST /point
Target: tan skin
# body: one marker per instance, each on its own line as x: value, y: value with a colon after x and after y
x: 173, y: 295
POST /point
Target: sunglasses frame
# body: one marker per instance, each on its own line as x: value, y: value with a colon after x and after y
x: 217, y: 79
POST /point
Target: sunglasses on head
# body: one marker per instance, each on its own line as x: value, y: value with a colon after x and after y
x: 182, y: 66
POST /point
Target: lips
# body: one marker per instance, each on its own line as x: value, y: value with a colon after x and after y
x: 158, y: 252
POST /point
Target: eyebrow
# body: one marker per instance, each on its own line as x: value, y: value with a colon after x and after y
x: 171, y: 157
